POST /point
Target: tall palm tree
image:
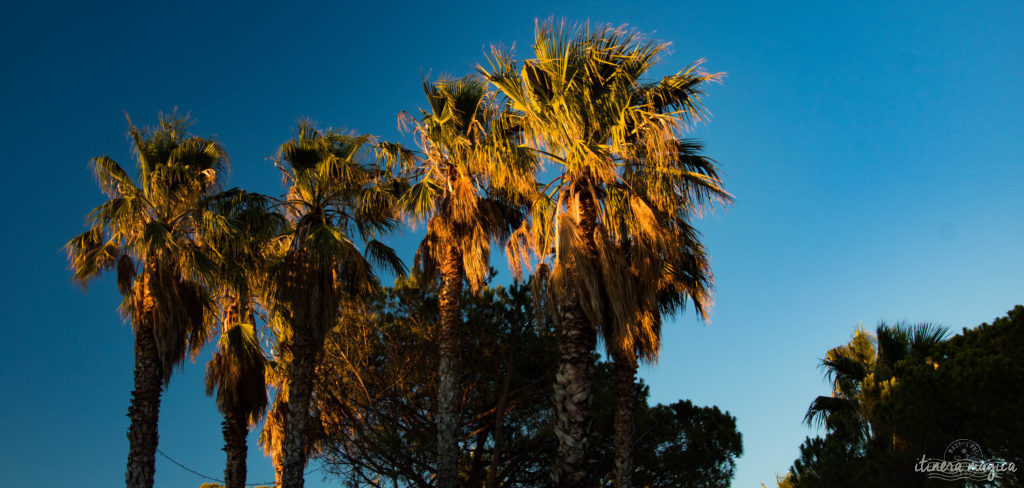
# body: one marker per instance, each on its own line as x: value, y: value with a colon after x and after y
x: 336, y: 193
x: 150, y: 232
x: 237, y: 370
x: 665, y: 277
x: 583, y: 105
x: 467, y: 185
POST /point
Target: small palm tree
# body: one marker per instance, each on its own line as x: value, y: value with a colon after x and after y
x: 151, y: 233
x: 585, y: 108
x: 237, y: 370
x: 335, y: 194
x: 467, y: 185
x: 236, y: 373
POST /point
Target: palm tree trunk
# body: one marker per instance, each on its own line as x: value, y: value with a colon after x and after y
x: 573, y: 415
x: 625, y: 402
x: 300, y: 393
x: 577, y: 338
x: 448, y: 370
x: 235, y: 428
x: 144, y: 411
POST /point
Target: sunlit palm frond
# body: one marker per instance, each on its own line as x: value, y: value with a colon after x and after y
x: 470, y: 177
x: 614, y: 222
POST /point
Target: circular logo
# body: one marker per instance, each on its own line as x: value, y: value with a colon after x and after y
x: 963, y: 450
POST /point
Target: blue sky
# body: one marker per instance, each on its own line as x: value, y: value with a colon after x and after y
x: 874, y: 150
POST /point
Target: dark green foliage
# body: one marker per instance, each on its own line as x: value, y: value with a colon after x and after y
x: 970, y: 386
x: 677, y: 445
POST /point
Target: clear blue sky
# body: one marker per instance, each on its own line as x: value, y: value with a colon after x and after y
x: 875, y: 151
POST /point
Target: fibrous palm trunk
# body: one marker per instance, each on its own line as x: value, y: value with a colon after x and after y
x: 311, y: 292
x: 577, y: 338
x: 144, y: 411
x: 625, y: 402
x: 235, y: 428
x: 573, y: 416
x: 300, y: 393
x: 448, y: 370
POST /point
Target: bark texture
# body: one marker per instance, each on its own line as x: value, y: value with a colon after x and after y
x: 448, y: 370
x: 573, y: 414
x: 625, y: 404
x: 309, y: 287
x: 235, y: 428
x: 300, y: 393
x: 577, y: 338
x: 144, y: 411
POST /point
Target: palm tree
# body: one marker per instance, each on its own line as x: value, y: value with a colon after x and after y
x: 335, y: 194
x: 584, y: 107
x: 150, y: 232
x: 466, y: 187
x: 862, y: 424
x: 237, y: 370
x: 861, y: 371
x: 665, y: 277
x: 236, y: 373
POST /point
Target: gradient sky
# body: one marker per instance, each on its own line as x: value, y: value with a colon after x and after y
x: 875, y: 152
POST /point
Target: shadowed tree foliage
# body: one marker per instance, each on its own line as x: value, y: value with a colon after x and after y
x: 864, y: 373
x: 150, y: 232
x: 621, y: 172
x: 907, y: 393
x: 468, y: 184
x: 377, y: 396
x: 337, y: 196
x: 677, y: 445
x: 378, y: 388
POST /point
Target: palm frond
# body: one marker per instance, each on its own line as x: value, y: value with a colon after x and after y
x: 151, y: 231
x: 825, y: 410
x: 583, y: 105
x: 384, y: 257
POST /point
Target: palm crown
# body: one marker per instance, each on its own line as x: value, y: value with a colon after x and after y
x: 158, y: 225
x: 236, y: 370
x: 335, y: 196
x: 470, y: 178
x: 624, y: 178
